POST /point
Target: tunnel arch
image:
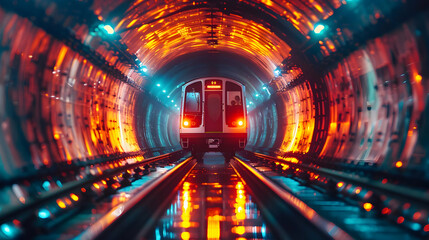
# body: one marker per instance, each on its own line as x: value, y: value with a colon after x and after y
x: 355, y: 96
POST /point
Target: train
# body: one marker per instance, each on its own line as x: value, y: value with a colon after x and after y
x: 213, y: 116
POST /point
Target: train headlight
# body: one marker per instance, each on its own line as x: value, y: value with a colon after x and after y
x: 186, y: 123
x: 240, y: 123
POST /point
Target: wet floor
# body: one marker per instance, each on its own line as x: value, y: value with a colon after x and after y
x: 212, y: 204
x: 79, y: 222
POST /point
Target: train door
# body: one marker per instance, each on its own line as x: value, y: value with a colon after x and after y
x: 213, y: 106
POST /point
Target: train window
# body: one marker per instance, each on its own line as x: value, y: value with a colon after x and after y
x: 192, y: 107
x: 193, y: 102
x: 233, y: 98
x: 234, y: 114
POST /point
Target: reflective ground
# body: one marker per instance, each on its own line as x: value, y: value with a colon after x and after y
x: 212, y: 203
x: 92, y: 212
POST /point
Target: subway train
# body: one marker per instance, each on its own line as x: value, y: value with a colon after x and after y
x: 213, y: 116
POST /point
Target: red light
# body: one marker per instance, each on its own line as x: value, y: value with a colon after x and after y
x: 240, y: 123
x: 186, y: 123
x: 385, y: 211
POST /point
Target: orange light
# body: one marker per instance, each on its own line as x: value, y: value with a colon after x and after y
x: 214, y: 86
x: 419, y: 78
x: 398, y: 164
x: 240, y: 230
x: 367, y: 206
x: 74, y: 197
x: 185, y: 235
x: 61, y: 204
x: 185, y: 123
x: 213, y: 224
x: 340, y: 184
x: 240, y: 123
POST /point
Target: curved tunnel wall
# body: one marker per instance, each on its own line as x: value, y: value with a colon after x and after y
x: 61, y: 107
x: 58, y: 108
x: 377, y: 106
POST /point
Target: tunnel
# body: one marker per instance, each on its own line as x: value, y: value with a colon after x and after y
x: 334, y: 87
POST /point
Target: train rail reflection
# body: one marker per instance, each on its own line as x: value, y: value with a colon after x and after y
x: 212, y: 203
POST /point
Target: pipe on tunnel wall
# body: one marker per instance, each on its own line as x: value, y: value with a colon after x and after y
x: 58, y: 107
x: 377, y: 105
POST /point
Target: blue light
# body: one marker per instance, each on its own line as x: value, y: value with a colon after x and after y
x: 175, y: 105
x: 251, y: 102
x: 145, y: 69
x: 164, y: 91
x: 157, y: 234
x: 59, y: 184
x: 9, y: 230
x: 248, y: 106
x: 5, y: 228
x: 158, y: 85
x: 257, y: 95
x: 277, y: 72
x: 263, y: 231
x: 265, y: 88
x: 172, y: 100
x: 168, y: 96
x: 46, y: 185
x: 415, y: 226
x: 44, y: 213
x: 107, y: 29
x: 319, y: 28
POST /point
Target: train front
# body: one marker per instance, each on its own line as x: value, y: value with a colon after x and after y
x: 213, y: 116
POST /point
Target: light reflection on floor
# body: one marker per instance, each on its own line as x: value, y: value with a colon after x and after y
x: 93, y: 212
x: 212, y: 204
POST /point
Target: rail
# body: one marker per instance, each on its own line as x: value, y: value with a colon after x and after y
x: 295, y: 219
x: 418, y: 197
x: 10, y: 212
x: 141, y: 210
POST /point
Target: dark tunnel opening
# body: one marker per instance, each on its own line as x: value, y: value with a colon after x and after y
x: 338, y: 83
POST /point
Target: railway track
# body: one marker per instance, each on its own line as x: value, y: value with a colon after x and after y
x: 173, y: 197
x: 365, y: 208
x: 59, y: 202
x: 213, y: 199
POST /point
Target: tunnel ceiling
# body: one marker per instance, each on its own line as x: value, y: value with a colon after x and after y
x: 262, y: 31
x: 210, y: 63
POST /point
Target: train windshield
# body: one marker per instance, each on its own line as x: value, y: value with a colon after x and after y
x: 193, y: 102
x: 234, y: 105
x: 193, y: 105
